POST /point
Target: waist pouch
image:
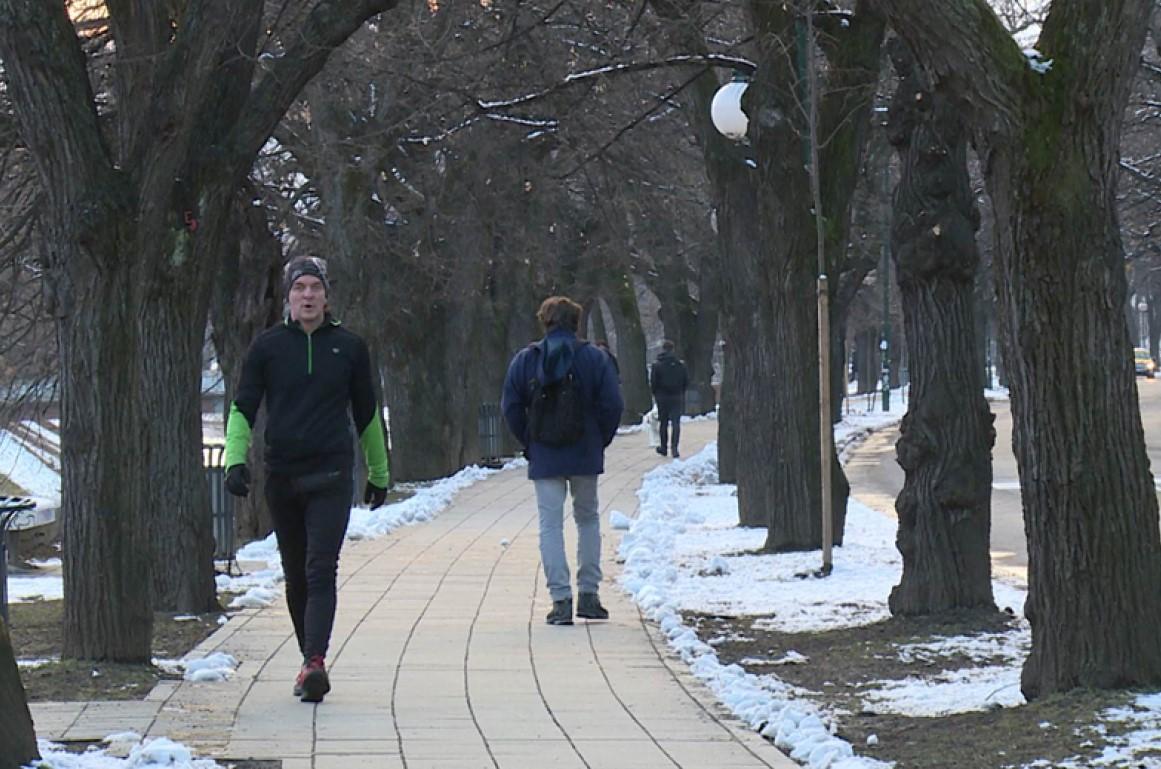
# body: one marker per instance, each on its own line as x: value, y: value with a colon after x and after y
x: 316, y: 482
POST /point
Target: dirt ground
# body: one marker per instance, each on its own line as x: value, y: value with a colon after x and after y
x: 36, y: 629
x: 842, y: 662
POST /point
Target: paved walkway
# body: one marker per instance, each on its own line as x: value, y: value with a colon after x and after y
x: 441, y: 659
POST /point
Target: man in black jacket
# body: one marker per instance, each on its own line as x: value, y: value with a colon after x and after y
x: 310, y: 371
x: 668, y: 380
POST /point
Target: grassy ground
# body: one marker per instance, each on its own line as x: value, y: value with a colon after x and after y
x: 843, y: 662
x: 36, y: 629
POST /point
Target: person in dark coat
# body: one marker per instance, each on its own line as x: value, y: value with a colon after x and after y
x: 318, y: 383
x: 557, y: 466
x: 668, y: 380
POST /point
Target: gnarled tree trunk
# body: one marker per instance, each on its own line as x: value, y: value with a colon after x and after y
x: 946, y: 437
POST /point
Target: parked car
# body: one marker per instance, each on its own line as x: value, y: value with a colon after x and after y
x: 1144, y: 363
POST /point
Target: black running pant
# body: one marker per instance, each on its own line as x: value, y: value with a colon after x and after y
x: 669, y: 408
x: 310, y: 520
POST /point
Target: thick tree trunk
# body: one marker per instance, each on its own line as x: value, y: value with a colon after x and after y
x: 105, y: 529
x: 171, y: 336
x: 727, y: 426
x: 631, y: 352
x: 428, y: 440
x: 17, y: 737
x: 597, y: 319
x: 866, y: 350
x: 1089, y: 502
x: 946, y: 437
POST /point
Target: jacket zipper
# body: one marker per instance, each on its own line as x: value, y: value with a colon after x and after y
x: 309, y: 356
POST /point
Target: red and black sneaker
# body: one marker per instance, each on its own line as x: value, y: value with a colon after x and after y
x: 315, y: 682
x: 298, y: 681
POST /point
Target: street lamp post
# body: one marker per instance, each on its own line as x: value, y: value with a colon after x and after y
x: 731, y: 121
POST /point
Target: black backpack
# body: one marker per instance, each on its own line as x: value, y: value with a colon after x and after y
x: 556, y: 414
x: 670, y: 375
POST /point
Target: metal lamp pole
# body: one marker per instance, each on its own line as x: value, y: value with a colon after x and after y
x: 825, y: 429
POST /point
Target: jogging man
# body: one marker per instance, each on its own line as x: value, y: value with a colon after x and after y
x: 315, y: 377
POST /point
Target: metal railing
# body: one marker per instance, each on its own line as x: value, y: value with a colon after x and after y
x: 10, y: 510
x: 491, y: 426
x: 221, y: 502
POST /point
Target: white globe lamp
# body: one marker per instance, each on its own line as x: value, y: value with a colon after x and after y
x: 726, y: 110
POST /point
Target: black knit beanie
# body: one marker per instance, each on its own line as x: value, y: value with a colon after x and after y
x: 306, y: 265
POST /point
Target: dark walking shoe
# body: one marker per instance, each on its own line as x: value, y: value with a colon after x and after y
x: 660, y: 450
x: 589, y: 607
x: 561, y: 613
x: 315, y: 681
x: 676, y: 455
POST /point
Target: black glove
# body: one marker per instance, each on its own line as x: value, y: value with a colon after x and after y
x: 374, y: 496
x: 238, y: 480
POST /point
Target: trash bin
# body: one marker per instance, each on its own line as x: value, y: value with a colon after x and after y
x: 491, y: 424
x: 10, y: 510
x: 221, y: 502
x: 693, y: 402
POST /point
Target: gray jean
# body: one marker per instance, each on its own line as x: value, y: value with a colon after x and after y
x: 550, y: 498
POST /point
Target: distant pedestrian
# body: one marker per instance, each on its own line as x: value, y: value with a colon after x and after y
x: 602, y: 344
x: 668, y: 380
x: 315, y: 377
x: 563, y: 402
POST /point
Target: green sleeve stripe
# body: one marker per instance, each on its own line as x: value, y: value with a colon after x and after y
x: 375, y: 451
x: 237, y: 437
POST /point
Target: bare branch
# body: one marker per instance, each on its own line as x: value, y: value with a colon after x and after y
x: 330, y: 23
x: 49, y: 83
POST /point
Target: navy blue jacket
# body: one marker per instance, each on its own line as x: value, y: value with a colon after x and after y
x: 602, y: 407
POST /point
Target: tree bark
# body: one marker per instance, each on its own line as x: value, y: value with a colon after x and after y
x: 631, y: 352
x: 1049, y: 145
x: 728, y: 428
x: 946, y: 437
x: 17, y: 737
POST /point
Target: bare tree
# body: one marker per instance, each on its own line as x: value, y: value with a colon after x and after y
x: 138, y: 190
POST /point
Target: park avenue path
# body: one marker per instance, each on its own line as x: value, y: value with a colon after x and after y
x: 441, y: 659
x: 876, y: 478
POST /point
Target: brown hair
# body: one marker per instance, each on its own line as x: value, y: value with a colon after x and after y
x: 559, y: 312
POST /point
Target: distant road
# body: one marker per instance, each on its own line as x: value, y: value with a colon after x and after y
x: 876, y: 477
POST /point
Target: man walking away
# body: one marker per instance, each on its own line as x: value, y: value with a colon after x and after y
x: 563, y: 402
x: 315, y: 376
x: 668, y: 380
